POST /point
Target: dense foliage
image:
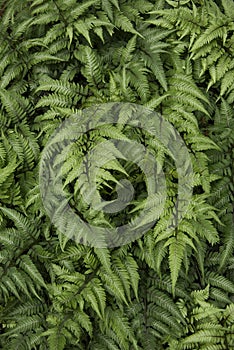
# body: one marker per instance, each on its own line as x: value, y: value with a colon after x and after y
x: 167, y: 290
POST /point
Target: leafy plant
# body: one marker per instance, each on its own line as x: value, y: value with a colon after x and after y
x: 170, y: 289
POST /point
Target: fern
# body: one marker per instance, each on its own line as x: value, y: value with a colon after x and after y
x: 171, y: 288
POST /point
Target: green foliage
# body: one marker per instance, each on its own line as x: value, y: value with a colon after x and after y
x: 170, y: 289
